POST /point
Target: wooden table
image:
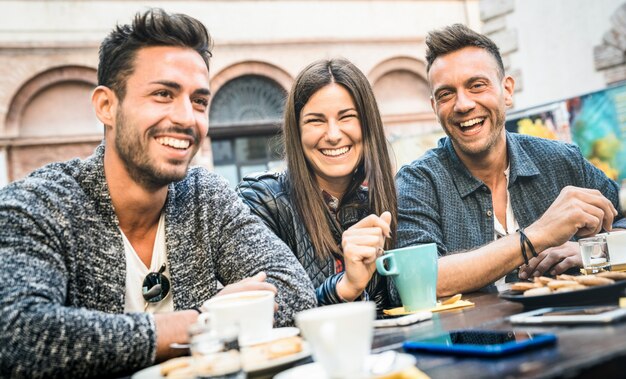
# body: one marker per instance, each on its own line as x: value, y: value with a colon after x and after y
x: 581, y: 351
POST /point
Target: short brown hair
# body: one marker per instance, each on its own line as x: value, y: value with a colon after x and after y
x: 155, y: 27
x: 455, y: 37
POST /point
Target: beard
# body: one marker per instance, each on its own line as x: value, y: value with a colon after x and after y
x: 134, y: 152
x: 486, y: 145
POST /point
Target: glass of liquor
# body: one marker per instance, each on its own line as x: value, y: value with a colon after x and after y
x: 594, y: 252
x: 215, y: 353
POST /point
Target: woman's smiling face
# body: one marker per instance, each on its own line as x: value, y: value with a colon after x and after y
x: 331, y: 137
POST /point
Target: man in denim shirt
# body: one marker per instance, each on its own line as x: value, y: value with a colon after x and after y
x: 481, y: 185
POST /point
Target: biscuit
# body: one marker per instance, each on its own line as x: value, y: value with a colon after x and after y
x: 561, y: 283
x: 538, y: 291
x: 565, y: 277
x: 615, y: 275
x: 283, y: 347
x: 182, y: 373
x: 259, y: 354
x: 591, y: 280
x: 522, y: 286
x: 570, y: 288
x: 543, y: 280
x: 173, y: 364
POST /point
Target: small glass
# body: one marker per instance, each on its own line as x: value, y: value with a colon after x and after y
x: 594, y: 252
x: 215, y: 353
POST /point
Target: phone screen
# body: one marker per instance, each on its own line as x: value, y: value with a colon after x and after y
x: 491, y: 337
x: 481, y: 342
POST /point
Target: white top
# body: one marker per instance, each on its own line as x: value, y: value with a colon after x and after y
x: 511, y: 223
x: 136, y: 271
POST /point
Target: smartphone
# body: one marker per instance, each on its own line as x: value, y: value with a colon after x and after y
x: 481, y: 343
x: 571, y: 315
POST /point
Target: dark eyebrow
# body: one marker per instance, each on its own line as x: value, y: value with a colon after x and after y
x: 313, y: 115
x: 346, y: 110
x: 475, y: 78
x: 443, y: 88
x: 177, y: 87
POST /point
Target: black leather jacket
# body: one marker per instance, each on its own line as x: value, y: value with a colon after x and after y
x: 266, y: 194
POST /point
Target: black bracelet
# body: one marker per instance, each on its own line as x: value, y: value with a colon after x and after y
x: 523, y: 246
x: 196, y: 309
x: 527, y: 242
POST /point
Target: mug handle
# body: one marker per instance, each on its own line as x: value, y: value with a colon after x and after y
x: 204, y: 318
x: 380, y: 265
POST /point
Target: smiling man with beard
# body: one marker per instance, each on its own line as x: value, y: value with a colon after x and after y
x: 106, y: 260
x: 494, y: 201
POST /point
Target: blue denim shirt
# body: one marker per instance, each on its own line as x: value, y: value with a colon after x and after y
x: 440, y: 201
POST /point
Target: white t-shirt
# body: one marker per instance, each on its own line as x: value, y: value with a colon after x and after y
x: 511, y: 223
x: 136, y: 271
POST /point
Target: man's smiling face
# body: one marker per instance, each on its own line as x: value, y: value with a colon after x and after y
x: 470, y: 96
x: 163, y: 117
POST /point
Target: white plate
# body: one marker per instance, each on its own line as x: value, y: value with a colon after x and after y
x: 275, y: 334
x: 154, y: 372
x: 316, y: 371
x: 274, y: 363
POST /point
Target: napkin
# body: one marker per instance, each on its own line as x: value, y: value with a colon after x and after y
x: 438, y: 308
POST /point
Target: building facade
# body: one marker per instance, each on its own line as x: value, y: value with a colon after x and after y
x: 48, y: 58
x: 48, y: 61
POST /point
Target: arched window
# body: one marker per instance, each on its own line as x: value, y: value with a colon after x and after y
x: 51, y: 118
x: 244, y: 122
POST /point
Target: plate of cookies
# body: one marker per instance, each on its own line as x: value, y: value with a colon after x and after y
x: 256, y: 360
x: 568, y: 290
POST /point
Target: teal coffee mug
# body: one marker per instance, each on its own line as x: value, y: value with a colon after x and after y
x: 414, y: 273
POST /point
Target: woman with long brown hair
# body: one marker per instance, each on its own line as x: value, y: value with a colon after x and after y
x: 335, y: 206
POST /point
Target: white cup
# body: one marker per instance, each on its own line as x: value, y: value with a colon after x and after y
x: 340, y: 336
x: 616, y: 242
x: 251, y: 311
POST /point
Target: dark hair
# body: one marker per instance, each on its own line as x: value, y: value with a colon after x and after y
x: 455, y: 37
x: 155, y: 27
x: 375, y: 167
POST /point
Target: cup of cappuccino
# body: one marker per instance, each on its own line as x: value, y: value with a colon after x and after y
x: 251, y: 311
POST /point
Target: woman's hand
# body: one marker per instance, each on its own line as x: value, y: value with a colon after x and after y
x: 362, y: 244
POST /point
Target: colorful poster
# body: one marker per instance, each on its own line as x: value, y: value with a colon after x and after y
x: 595, y: 122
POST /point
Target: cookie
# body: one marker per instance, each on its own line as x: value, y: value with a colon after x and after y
x: 571, y: 288
x: 182, y: 373
x: 522, y: 286
x: 173, y: 364
x: 592, y: 280
x: 615, y: 275
x: 538, y: 291
x: 565, y: 277
x: 543, y: 280
x: 555, y: 284
x: 253, y: 356
x: 283, y: 347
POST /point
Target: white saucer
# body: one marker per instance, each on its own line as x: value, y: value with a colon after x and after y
x: 154, y: 372
x: 275, y: 334
x: 316, y: 371
x: 277, y: 362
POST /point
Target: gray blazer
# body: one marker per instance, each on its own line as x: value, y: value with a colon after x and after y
x: 62, y: 268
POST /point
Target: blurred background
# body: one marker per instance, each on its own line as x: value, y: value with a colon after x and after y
x: 567, y: 56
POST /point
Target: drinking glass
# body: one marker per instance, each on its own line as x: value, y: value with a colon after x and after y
x: 215, y: 352
x: 594, y: 252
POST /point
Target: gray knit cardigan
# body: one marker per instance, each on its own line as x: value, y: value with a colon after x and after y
x: 62, y: 268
